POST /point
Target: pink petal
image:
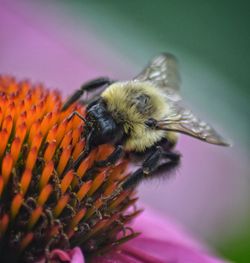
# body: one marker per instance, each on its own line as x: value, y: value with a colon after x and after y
x: 71, y: 256
x: 60, y: 254
x: 153, y: 250
x: 151, y: 224
x: 160, y: 242
x: 76, y: 255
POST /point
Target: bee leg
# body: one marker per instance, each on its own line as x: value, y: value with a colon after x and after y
x: 76, y: 113
x: 148, y: 166
x: 93, y: 98
x: 84, y: 153
x: 89, y: 86
x: 109, y: 161
x: 151, y: 167
x: 112, y: 158
x: 166, y: 167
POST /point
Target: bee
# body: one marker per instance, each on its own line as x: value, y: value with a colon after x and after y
x: 141, y: 116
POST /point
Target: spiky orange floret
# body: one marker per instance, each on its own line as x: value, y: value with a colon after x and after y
x: 44, y: 202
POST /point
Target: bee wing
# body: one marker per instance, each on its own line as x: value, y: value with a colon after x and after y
x: 182, y: 120
x: 163, y: 72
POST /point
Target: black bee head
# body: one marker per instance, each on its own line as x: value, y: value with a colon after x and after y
x: 101, y: 124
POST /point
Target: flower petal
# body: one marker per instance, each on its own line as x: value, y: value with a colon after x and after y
x: 161, y: 241
x: 72, y: 256
x: 60, y: 254
x: 76, y: 255
x: 154, y: 225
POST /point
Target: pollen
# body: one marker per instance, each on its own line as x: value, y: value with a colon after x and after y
x: 50, y: 151
x: 25, y: 181
x: 16, y: 205
x: 15, y: 148
x: 44, y: 195
x: 97, y: 183
x: 83, y: 190
x: 46, y: 203
x: 26, y: 241
x: 35, y: 215
x: 66, y: 181
x: 62, y: 202
x: 46, y: 174
x: 7, y: 167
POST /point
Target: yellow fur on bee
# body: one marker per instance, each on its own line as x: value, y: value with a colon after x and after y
x: 120, y: 98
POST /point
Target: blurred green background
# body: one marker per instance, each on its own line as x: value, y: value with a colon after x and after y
x: 116, y: 38
x: 215, y: 33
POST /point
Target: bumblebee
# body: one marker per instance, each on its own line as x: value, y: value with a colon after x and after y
x: 142, y: 116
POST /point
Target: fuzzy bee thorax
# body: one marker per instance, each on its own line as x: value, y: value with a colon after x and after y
x: 134, y: 101
x: 131, y: 104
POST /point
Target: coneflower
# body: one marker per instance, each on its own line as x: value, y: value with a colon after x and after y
x: 44, y: 203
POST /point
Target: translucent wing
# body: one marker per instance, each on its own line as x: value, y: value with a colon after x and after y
x: 182, y: 120
x: 163, y: 72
